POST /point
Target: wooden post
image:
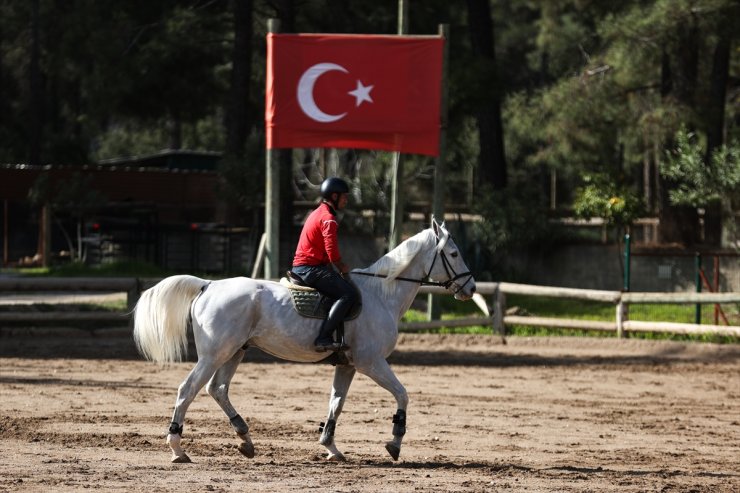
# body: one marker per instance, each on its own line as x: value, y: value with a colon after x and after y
x: 499, y: 309
x: 716, y: 288
x: 621, y: 318
x: 627, y: 261
x: 697, y: 275
x: 45, y: 246
x: 5, y: 233
x: 133, y: 294
x: 553, y: 189
x: 272, y: 198
x: 438, y: 199
x: 260, y: 257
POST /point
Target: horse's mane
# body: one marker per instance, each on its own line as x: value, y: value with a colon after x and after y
x: 394, y: 262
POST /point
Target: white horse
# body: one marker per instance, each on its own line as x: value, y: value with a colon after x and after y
x: 229, y: 315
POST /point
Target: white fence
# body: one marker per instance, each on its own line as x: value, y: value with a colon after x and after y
x: 496, y: 293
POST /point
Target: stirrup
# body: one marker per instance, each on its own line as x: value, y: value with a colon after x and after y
x: 323, y: 347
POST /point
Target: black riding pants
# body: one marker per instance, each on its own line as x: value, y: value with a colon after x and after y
x: 329, y: 283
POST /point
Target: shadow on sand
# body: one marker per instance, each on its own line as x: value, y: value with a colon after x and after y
x: 118, y: 345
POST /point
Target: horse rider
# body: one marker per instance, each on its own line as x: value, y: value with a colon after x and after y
x: 318, y: 262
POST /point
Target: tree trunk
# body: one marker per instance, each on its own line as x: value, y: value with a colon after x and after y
x: 175, y: 133
x: 492, y: 158
x: 286, y: 13
x: 44, y: 245
x: 715, y: 129
x: 238, y: 120
x: 36, y: 89
x: 686, y: 67
x: 679, y: 69
x: 718, y: 94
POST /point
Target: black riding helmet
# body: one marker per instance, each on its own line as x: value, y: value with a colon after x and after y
x: 333, y: 185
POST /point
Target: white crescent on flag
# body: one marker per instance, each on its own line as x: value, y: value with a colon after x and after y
x: 305, y: 92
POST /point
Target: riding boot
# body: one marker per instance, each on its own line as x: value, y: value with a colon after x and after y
x: 325, y: 341
x: 343, y: 346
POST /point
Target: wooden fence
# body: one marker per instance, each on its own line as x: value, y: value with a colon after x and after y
x: 621, y: 301
x: 491, y: 297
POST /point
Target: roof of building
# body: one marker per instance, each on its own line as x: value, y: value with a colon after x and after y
x: 169, y: 159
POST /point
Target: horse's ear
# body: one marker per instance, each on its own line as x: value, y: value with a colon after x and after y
x: 440, y: 232
x: 437, y: 227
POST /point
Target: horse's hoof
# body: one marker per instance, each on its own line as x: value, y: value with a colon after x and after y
x: 338, y: 457
x: 247, y: 449
x: 393, y: 450
x: 183, y: 459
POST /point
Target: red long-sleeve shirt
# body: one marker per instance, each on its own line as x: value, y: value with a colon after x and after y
x: 318, y: 242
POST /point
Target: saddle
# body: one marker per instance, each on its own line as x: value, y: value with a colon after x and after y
x: 310, y: 303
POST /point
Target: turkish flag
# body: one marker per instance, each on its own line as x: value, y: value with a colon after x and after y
x: 358, y: 91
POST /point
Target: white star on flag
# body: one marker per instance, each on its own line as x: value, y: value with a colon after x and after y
x: 361, y: 94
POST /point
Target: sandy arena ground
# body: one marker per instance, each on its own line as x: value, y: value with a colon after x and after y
x: 545, y: 414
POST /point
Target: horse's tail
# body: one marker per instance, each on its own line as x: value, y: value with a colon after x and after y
x: 161, y: 318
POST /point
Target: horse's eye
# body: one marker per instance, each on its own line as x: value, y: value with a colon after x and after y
x: 454, y: 254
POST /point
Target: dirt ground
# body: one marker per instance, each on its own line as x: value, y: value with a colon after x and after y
x: 536, y: 414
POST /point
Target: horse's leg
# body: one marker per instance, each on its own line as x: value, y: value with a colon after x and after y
x: 218, y: 388
x: 189, y: 388
x: 381, y: 372
x: 343, y: 376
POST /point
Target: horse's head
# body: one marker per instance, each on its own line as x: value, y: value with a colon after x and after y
x: 448, y: 267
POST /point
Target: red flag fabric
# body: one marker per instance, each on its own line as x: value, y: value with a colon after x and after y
x: 357, y: 91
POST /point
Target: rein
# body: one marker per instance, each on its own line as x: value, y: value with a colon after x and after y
x: 426, y: 281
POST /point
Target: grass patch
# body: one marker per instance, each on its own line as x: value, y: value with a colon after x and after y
x: 451, y: 309
x: 114, y: 269
x: 107, y: 306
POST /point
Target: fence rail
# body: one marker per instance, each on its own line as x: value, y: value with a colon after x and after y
x: 620, y: 300
x: 494, y: 312
x: 130, y: 285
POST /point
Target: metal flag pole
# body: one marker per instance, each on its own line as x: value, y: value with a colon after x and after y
x: 394, y: 238
x: 438, y: 200
x: 272, y: 198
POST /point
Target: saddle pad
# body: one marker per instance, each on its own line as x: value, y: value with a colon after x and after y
x: 292, y: 286
x: 310, y: 303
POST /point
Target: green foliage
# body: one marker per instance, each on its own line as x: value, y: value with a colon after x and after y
x: 242, y: 180
x: 698, y: 183
x: 74, y: 195
x: 102, y: 306
x: 129, y: 138
x: 106, y: 64
x: 581, y: 84
x: 599, y: 197
x: 571, y: 126
x: 174, y: 65
x: 511, y: 221
x: 604, y: 112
